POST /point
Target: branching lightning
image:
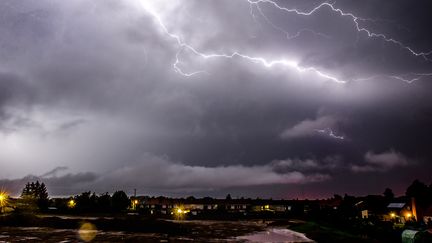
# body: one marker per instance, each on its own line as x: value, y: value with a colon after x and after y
x: 407, y: 78
x: 329, y: 132
x: 356, y: 20
x: 286, y: 62
x: 286, y: 33
x: 180, y: 71
x: 417, y: 77
x: 258, y: 60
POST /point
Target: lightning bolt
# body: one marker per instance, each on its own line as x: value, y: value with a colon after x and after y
x: 402, y: 77
x: 411, y: 80
x: 180, y: 71
x: 329, y: 132
x: 287, y: 62
x: 286, y: 33
x: 356, y: 20
x: 291, y: 63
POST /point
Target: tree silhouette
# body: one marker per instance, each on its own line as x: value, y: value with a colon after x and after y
x: 104, y: 202
x: 36, y: 193
x: 120, y: 201
x: 388, y: 194
x: 420, y: 192
x: 42, y: 197
x: 86, y: 201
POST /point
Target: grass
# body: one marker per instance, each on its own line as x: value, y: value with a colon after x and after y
x: 130, y: 226
x: 324, y: 234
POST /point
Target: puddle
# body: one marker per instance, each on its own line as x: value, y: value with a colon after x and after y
x: 276, y: 235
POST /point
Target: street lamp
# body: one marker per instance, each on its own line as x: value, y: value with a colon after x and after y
x: 180, y: 212
x: 135, y: 204
x: 71, y: 203
x: 3, y: 200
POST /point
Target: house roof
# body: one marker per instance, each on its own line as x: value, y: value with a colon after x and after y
x: 396, y: 205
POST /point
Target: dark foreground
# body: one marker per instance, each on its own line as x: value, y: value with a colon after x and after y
x: 30, y: 228
x: 27, y: 228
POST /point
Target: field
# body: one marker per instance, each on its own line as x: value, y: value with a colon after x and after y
x: 25, y: 228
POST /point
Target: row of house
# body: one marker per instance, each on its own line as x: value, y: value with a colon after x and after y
x: 166, y: 206
x: 399, y: 210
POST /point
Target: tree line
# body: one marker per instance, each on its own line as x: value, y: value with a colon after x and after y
x: 34, y: 196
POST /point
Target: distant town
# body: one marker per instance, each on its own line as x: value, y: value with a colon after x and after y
x: 376, y: 218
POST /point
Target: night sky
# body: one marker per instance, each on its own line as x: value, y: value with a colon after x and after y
x: 282, y: 99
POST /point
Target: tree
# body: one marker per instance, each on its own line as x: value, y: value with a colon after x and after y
x: 347, y: 205
x: 228, y: 197
x: 36, y: 194
x: 419, y: 191
x: 388, y: 194
x: 86, y: 201
x: 42, y: 197
x: 120, y: 201
x: 104, y: 202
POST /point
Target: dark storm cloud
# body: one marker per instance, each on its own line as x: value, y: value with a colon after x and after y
x: 91, y: 86
x: 168, y: 176
x: 382, y: 161
x: 326, y: 165
x: 310, y: 127
x: 54, y: 171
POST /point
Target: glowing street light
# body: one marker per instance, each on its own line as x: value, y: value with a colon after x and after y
x: 3, y: 200
x: 408, y: 215
x: 392, y: 215
x: 71, y: 203
x: 180, y: 213
x: 134, y: 204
